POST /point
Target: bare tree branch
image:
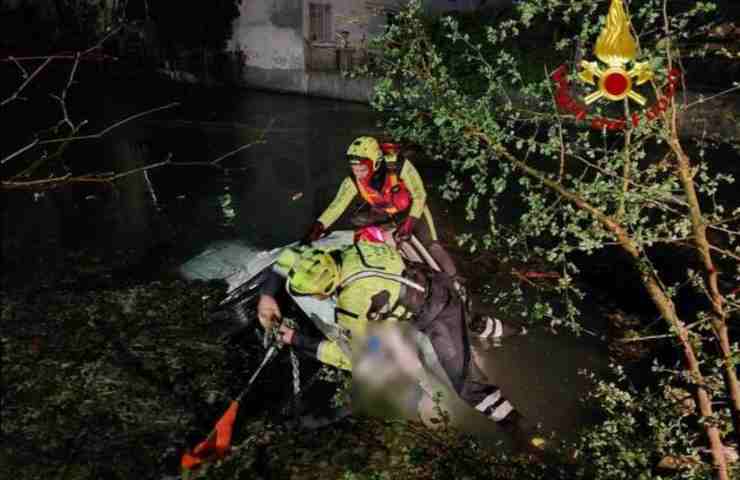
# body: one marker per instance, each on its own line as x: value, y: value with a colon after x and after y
x: 24, y: 73
x: 28, y: 80
x: 19, y: 151
x: 711, y: 97
x: 166, y: 161
x: 108, y: 129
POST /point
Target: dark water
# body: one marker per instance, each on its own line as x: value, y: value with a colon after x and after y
x: 269, y: 195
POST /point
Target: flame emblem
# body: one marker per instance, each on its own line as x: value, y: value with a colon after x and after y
x: 616, y: 47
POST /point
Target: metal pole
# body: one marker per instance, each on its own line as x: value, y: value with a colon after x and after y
x: 268, y: 356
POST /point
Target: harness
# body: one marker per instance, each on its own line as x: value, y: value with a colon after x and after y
x: 388, y: 276
x: 392, y: 197
x: 412, y: 295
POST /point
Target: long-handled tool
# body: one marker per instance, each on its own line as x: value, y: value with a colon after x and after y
x: 424, y: 253
x: 418, y: 247
x: 217, y: 444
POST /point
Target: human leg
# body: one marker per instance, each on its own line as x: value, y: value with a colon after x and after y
x: 443, y: 321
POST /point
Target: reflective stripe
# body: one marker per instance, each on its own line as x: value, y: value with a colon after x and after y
x: 489, y: 328
x: 488, y: 401
x: 500, y: 412
x: 494, y: 328
x: 388, y: 276
x: 499, y: 328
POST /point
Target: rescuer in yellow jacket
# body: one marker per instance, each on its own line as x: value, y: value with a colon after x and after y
x: 371, y: 283
x: 394, y: 191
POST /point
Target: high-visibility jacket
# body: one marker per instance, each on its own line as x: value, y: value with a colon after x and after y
x: 393, y: 197
x: 369, y: 291
x: 408, y: 179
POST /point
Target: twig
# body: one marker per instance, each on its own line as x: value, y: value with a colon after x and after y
x: 45, y: 158
x: 98, y: 45
x: 138, y: 115
x: 108, y: 129
x: 724, y: 220
x: 107, y: 177
x: 560, y: 130
x: 626, y: 173
x: 237, y: 150
x: 166, y: 161
x: 25, y: 83
x: 658, y: 337
x: 32, y: 183
x: 18, y: 152
x: 71, y: 76
x: 523, y: 278
x: 216, y: 163
x: 724, y: 252
x: 666, y: 199
x: 711, y: 97
x: 696, y: 323
x: 61, y: 56
x: 643, y: 339
x: 62, y: 99
x: 726, y: 230
x: 24, y: 73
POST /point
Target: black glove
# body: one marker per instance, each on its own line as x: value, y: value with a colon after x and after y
x: 317, y: 229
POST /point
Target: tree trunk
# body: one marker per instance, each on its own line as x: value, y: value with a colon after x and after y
x: 661, y: 300
x: 701, y: 244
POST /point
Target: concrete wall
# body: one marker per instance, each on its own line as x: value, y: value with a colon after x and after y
x: 270, y: 34
x: 273, y: 36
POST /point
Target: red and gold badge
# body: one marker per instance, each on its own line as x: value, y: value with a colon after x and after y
x: 616, y: 48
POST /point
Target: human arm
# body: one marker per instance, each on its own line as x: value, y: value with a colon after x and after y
x: 415, y: 186
x: 268, y: 311
x: 323, y: 350
x: 346, y: 193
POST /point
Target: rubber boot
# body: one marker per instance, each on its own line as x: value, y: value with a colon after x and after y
x: 490, y: 328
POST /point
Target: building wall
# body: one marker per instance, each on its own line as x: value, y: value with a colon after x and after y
x: 270, y: 34
x: 275, y: 40
x: 360, y: 18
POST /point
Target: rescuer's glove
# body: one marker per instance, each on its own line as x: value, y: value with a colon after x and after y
x: 317, y: 229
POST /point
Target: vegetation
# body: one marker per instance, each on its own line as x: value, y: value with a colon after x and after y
x: 92, y: 374
x: 106, y: 376
x: 636, y: 191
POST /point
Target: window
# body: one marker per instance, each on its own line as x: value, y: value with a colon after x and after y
x: 320, y: 27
